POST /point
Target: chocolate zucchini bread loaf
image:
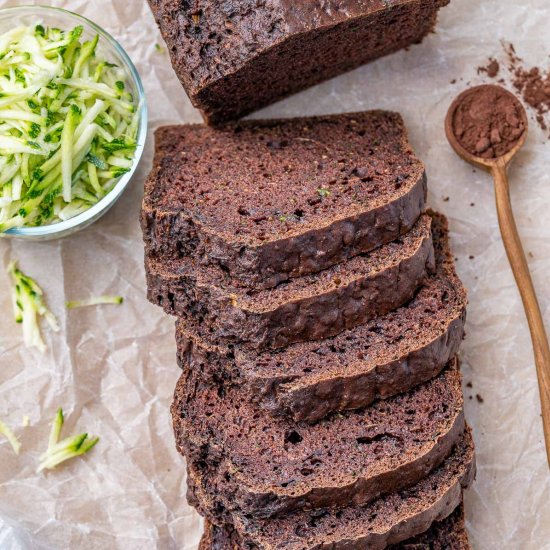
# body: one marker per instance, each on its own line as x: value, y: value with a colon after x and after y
x: 319, y: 316
x: 265, y: 466
x: 234, y: 57
x: 388, y: 355
x: 387, y: 521
x: 271, y: 200
x: 447, y: 534
x: 308, y: 308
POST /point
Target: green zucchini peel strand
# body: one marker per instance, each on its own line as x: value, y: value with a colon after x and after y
x: 7, y: 432
x: 95, y: 301
x: 29, y: 306
x: 69, y: 447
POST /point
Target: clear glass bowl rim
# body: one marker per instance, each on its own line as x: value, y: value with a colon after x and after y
x: 104, y: 204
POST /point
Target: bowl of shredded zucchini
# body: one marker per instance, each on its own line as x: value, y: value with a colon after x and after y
x: 73, y: 122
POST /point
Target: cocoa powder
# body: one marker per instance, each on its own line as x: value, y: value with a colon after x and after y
x: 491, y: 69
x: 532, y: 83
x: 487, y: 121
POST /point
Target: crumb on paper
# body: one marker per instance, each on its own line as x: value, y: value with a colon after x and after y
x: 491, y: 69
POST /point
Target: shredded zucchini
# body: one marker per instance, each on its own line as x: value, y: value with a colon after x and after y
x: 7, y: 432
x: 29, y: 306
x: 70, y: 447
x: 95, y: 301
x: 68, y: 125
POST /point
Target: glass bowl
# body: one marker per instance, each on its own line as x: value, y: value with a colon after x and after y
x: 113, y: 52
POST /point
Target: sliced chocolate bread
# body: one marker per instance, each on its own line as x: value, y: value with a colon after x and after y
x: 389, y: 520
x: 388, y: 355
x: 268, y: 465
x: 448, y: 534
x: 234, y: 57
x: 308, y: 308
x: 272, y: 200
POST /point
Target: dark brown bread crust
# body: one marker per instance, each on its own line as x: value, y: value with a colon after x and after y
x: 387, y: 521
x: 235, y: 57
x: 389, y: 355
x: 219, y: 538
x: 266, y: 466
x: 448, y: 534
x: 337, y: 186
x: 310, y: 308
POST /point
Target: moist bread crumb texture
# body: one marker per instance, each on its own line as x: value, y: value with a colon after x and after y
x: 447, y: 534
x: 387, y: 355
x: 304, y: 309
x: 235, y: 57
x: 266, y: 201
x: 319, y: 316
x: 290, y: 465
x: 391, y: 519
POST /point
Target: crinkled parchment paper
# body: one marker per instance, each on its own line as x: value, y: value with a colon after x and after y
x: 113, y: 368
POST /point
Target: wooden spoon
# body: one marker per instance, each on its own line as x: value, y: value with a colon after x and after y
x: 498, y: 167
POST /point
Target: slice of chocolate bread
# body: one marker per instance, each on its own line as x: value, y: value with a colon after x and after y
x: 388, y: 355
x: 234, y: 57
x: 271, y: 200
x: 267, y: 465
x: 389, y: 520
x: 308, y: 308
x: 448, y: 534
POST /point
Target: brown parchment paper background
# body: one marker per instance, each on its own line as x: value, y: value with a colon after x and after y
x: 113, y: 368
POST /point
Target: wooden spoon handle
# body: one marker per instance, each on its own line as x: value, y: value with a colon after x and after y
x: 518, y: 262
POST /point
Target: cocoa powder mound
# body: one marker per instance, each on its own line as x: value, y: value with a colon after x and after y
x: 487, y: 121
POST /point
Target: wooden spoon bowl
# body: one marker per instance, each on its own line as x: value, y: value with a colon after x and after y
x: 485, y: 163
